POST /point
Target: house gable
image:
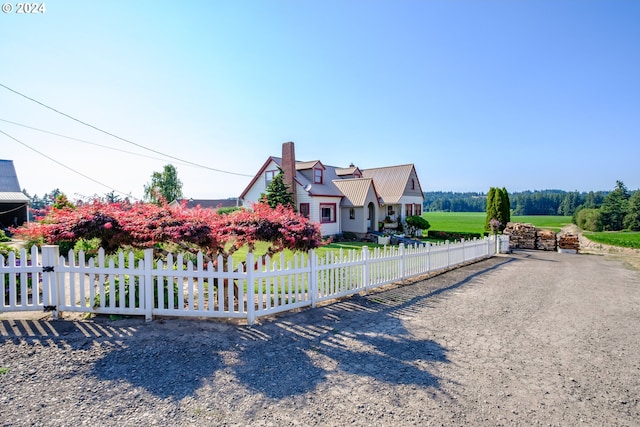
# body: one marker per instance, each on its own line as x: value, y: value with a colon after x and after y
x: 394, y: 182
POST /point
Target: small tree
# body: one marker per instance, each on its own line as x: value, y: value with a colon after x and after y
x: 278, y: 192
x: 415, y: 223
x: 164, y: 185
x: 498, y: 208
x: 588, y: 219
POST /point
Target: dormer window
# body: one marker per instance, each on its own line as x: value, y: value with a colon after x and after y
x: 317, y: 176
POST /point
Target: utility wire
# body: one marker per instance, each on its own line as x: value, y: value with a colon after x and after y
x: 118, y: 137
x: 85, y: 141
x: 65, y: 166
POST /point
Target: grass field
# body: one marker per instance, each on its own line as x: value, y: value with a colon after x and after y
x: 625, y: 239
x: 473, y: 222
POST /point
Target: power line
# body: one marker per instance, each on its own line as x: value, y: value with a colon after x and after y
x: 85, y: 141
x: 118, y: 137
x: 65, y: 166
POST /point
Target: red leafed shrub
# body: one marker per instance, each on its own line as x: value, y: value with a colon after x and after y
x: 144, y: 225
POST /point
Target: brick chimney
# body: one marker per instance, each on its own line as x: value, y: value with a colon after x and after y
x: 289, y: 167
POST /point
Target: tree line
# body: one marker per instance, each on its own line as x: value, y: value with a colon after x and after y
x: 537, y: 202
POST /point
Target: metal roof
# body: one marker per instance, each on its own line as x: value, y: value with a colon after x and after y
x: 355, y: 190
x: 8, y: 178
x: 13, y: 197
x: 391, y: 181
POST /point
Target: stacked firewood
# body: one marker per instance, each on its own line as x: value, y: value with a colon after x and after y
x: 521, y: 236
x: 569, y: 242
x: 546, y: 240
x: 527, y: 236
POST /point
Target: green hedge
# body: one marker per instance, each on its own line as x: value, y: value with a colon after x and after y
x: 452, y: 235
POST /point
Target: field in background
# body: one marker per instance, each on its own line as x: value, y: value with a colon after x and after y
x: 625, y: 239
x: 473, y: 222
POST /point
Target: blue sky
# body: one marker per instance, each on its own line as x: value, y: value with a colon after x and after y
x: 527, y: 95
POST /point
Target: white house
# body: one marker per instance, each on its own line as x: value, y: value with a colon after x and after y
x: 342, y: 199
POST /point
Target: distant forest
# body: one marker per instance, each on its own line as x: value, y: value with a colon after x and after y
x: 538, y: 202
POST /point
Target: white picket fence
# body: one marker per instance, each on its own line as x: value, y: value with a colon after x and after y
x: 185, y: 286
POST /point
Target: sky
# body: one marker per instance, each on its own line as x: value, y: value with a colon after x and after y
x: 98, y: 95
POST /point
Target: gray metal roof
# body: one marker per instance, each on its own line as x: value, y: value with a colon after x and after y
x: 13, y: 197
x: 8, y: 178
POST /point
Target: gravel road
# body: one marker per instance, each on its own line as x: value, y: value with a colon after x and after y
x: 529, y: 338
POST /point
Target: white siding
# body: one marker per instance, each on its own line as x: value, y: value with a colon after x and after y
x: 259, y: 187
x: 327, y: 229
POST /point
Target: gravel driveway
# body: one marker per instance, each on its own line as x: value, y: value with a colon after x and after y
x: 529, y: 338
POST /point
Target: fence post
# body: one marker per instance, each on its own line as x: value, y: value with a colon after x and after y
x: 149, y: 290
x: 250, y: 265
x: 365, y: 269
x: 402, y: 263
x: 448, y: 255
x: 313, y: 277
x: 464, y: 255
x: 52, y: 293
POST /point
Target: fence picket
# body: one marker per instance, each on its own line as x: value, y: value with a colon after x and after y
x: 179, y: 286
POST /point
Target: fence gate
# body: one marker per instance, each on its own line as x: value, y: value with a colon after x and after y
x: 29, y: 280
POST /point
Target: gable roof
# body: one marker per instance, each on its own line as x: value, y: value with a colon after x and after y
x: 9, y: 186
x: 300, y: 166
x: 391, y: 181
x: 326, y: 188
x: 351, y: 170
x: 355, y: 190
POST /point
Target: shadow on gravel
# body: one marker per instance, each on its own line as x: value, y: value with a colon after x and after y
x: 360, y: 336
x: 167, y: 371
x: 290, y: 355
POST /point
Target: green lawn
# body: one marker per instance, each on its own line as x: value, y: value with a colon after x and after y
x: 261, y: 249
x: 625, y: 239
x: 473, y: 222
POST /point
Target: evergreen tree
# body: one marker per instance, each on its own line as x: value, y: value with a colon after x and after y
x: 632, y: 219
x: 498, y: 209
x: 491, y: 213
x: 614, y: 208
x: 278, y: 193
x: 164, y: 185
x: 505, y: 208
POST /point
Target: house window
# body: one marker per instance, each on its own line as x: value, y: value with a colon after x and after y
x: 327, y: 212
x: 413, y: 184
x: 317, y: 176
x: 390, y: 211
x: 304, y: 209
x: 268, y: 176
x: 417, y: 209
x: 408, y: 210
x: 352, y: 213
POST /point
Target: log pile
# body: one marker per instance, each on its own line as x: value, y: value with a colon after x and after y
x: 521, y: 236
x: 527, y: 236
x: 569, y: 242
x: 546, y: 240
